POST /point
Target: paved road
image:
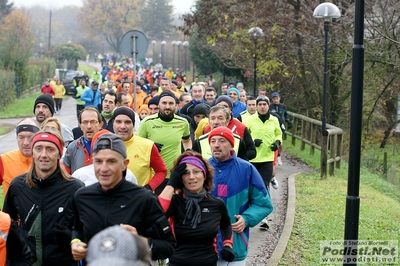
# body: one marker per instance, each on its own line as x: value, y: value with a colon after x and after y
x: 67, y: 116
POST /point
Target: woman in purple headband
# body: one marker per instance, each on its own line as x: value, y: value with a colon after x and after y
x: 195, y: 216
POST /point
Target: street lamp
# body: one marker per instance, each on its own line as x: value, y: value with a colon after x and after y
x: 163, y: 43
x: 327, y: 11
x: 186, y: 45
x: 154, y: 44
x: 179, y: 43
x: 254, y: 34
x: 173, y: 54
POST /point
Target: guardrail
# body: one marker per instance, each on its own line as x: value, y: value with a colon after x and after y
x: 330, y: 142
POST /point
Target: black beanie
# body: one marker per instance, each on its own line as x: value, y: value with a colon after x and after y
x: 47, y: 100
x: 170, y: 94
x: 123, y: 110
x: 154, y: 100
x: 200, y: 109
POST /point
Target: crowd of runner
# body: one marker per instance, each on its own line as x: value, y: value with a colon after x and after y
x: 184, y: 168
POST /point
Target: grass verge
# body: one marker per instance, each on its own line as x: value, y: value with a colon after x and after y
x: 20, y: 108
x: 320, y: 211
x: 5, y: 129
x: 87, y: 68
x: 23, y: 107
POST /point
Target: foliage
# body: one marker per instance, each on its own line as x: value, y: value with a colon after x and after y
x: 70, y: 52
x: 156, y: 18
x: 64, y: 26
x: 5, y: 8
x: 38, y: 70
x: 112, y: 19
x: 16, y: 42
x: 7, y: 90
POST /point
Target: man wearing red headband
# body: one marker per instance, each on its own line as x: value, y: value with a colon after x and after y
x: 41, y: 200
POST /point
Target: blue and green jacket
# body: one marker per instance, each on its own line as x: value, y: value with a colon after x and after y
x: 238, y: 183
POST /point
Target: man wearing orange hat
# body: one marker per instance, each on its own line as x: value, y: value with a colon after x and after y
x: 233, y: 178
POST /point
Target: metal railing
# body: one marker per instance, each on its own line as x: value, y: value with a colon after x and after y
x: 309, y: 131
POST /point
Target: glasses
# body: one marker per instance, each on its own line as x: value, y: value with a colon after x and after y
x: 195, y: 172
x: 93, y: 122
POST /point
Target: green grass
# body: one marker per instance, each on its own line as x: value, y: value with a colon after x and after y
x: 5, y: 129
x: 20, y: 108
x: 87, y: 68
x: 23, y: 107
x: 320, y: 210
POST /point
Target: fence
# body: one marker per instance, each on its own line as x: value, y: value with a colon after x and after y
x: 330, y: 142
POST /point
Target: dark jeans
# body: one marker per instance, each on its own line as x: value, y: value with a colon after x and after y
x: 265, y: 169
x: 79, y: 108
x: 58, y: 103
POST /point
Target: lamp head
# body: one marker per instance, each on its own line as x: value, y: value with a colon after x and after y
x: 327, y: 11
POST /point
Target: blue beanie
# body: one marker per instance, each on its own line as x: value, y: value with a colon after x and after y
x: 234, y: 89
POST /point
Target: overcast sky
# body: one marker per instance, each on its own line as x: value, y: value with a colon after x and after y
x: 181, y: 6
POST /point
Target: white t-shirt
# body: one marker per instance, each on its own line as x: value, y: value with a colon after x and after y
x: 87, y: 176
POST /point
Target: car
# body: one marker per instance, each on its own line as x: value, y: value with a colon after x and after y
x: 67, y: 81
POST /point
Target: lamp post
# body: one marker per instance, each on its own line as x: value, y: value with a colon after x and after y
x: 163, y: 43
x: 186, y: 45
x: 173, y: 54
x: 254, y: 34
x: 327, y: 11
x: 154, y: 54
x: 179, y: 43
x: 357, y: 87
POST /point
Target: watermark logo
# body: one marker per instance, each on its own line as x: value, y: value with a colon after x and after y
x: 359, y: 251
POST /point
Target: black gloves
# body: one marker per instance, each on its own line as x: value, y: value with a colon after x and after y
x: 275, y: 145
x: 159, y: 146
x: 176, y: 176
x: 62, y: 234
x: 257, y: 142
x: 227, y: 254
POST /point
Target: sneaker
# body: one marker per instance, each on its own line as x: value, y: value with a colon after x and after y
x: 279, y: 160
x: 274, y: 183
x: 264, y: 224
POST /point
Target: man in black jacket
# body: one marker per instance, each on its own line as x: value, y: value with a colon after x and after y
x: 115, y: 201
x: 41, y: 200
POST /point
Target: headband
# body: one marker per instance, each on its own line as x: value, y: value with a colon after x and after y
x: 45, y: 136
x: 28, y: 128
x: 193, y: 160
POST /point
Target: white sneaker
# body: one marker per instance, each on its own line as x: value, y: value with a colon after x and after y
x: 279, y: 160
x: 274, y: 183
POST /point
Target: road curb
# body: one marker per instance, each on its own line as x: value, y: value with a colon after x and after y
x: 289, y: 221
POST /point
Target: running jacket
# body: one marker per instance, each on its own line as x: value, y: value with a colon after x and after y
x: 38, y: 210
x: 238, y: 183
x: 96, y: 209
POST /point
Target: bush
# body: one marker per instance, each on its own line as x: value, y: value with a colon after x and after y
x: 37, y: 71
x: 7, y: 89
